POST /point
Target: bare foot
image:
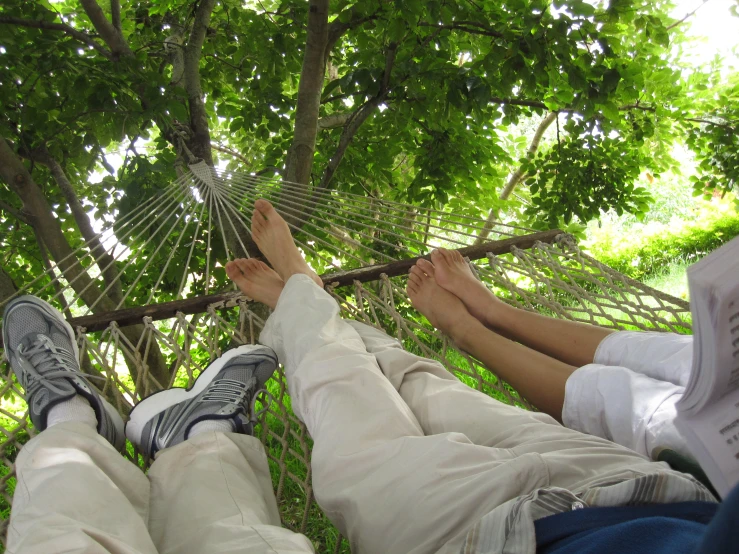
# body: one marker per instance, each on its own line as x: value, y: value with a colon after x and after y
x: 445, y: 311
x: 274, y: 240
x: 256, y: 280
x: 453, y: 274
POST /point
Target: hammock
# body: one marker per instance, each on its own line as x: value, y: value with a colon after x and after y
x: 363, y: 246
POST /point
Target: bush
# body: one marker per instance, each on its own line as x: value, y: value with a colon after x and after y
x: 642, y: 253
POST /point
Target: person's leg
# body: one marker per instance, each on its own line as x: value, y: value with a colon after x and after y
x: 213, y: 493
x: 538, y: 377
x: 665, y: 357
x: 626, y: 407
x: 388, y: 487
x: 611, y: 402
x: 441, y: 402
x: 571, y: 342
x: 74, y: 491
x: 211, y: 489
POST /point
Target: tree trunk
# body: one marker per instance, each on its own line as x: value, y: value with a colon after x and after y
x: 39, y: 214
x: 300, y: 154
x: 104, y: 261
x: 200, y: 141
x: 516, y: 178
x: 7, y: 286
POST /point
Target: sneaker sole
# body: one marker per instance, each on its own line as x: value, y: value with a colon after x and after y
x: 152, y: 405
x: 56, y: 314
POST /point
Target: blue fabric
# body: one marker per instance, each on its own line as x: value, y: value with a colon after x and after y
x: 657, y: 528
x: 722, y: 534
x: 695, y: 527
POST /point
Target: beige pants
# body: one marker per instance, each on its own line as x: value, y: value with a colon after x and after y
x: 406, y: 457
x: 211, y: 494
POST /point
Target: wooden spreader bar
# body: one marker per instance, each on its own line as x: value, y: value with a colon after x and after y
x: 166, y: 310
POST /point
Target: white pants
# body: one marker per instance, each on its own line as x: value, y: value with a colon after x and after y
x: 211, y: 494
x: 628, y: 394
x: 406, y: 458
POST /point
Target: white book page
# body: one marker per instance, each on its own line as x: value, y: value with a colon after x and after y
x: 717, y: 427
x: 715, y: 308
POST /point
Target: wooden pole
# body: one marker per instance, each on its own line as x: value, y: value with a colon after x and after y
x: 130, y: 316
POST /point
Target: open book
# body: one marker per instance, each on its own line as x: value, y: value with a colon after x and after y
x: 708, y: 413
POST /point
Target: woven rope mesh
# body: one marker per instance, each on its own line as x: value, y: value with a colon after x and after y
x: 557, y: 280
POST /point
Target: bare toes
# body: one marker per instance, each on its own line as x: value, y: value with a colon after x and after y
x: 264, y: 208
x: 456, y: 257
x: 418, y: 273
x: 437, y: 257
x: 415, y: 279
x: 426, y: 266
x: 232, y: 269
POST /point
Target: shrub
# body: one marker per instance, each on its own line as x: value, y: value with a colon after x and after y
x: 641, y: 253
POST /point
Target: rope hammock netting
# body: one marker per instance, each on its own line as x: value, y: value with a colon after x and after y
x: 171, y: 244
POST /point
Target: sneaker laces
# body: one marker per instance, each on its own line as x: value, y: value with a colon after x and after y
x: 47, y: 362
x: 226, y: 390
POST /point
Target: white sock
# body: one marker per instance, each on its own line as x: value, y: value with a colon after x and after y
x: 75, y: 409
x: 217, y: 425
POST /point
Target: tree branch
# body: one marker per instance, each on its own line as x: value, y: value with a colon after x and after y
x: 112, y: 36
x: 115, y: 14
x: 15, y: 213
x: 200, y: 141
x: 334, y: 120
x: 354, y: 122
x: 63, y: 27
x: 471, y: 27
x: 15, y: 174
x: 230, y: 152
x: 337, y: 29
x: 52, y: 273
x: 687, y: 16
x: 7, y: 287
x: 104, y: 261
x: 516, y: 177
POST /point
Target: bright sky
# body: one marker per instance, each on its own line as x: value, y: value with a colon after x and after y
x: 713, y: 28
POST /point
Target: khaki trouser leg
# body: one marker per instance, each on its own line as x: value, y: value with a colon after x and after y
x: 387, y: 487
x: 443, y: 404
x: 213, y: 494
x: 75, y: 493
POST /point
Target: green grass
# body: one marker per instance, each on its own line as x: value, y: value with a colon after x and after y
x: 672, y: 279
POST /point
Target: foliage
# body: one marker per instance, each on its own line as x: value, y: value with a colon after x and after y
x: 643, y: 254
x: 461, y: 78
x: 606, y: 166
x: 716, y: 143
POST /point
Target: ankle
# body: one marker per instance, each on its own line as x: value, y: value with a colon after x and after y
x: 463, y: 331
x: 76, y: 408
x: 498, y: 314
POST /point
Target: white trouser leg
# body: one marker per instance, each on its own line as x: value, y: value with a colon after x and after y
x: 213, y: 494
x: 388, y: 487
x: 663, y: 356
x: 624, y: 406
x: 75, y: 493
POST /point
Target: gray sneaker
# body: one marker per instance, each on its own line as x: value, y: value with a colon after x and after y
x: 225, y: 390
x: 40, y: 346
